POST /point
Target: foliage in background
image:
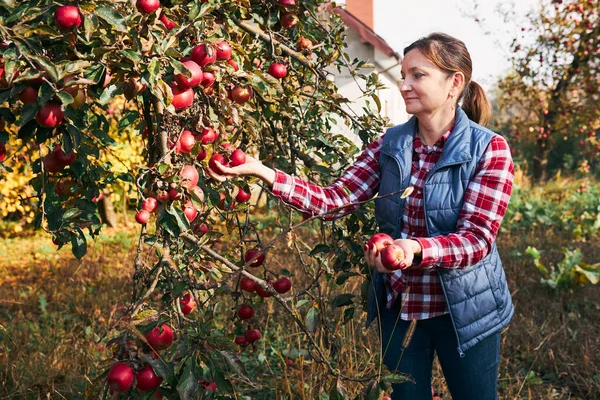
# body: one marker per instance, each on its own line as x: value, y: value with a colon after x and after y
x: 547, y: 105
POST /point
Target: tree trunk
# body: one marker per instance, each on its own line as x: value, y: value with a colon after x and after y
x: 107, y: 212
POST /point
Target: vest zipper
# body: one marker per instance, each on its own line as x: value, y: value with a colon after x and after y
x: 460, y: 352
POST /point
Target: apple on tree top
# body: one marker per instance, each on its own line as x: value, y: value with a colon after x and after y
x: 67, y: 18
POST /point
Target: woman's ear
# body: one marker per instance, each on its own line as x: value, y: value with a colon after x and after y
x: 458, y: 83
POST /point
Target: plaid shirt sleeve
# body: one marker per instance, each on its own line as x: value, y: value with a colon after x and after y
x: 485, y: 204
x: 358, y: 183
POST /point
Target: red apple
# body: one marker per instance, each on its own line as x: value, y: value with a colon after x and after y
x: 194, y: 79
x: 286, y: 2
x: 241, y: 341
x: 188, y: 304
x: 163, y: 196
x: 147, y: 6
x: 120, y: 377
x: 223, y: 50
x: 262, y: 292
x: 241, y: 94
x: 289, y: 19
x: 67, y: 187
x: 220, y: 158
x: 208, y: 79
x: 167, y: 22
x: 2, y: 152
x: 147, y: 379
x: 174, y: 194
x: 150, y: 204
x: 51, y: 164
x: 252, y: 335
x: 142, y: 217
x: 98, y: 198
x: 190, y: 211
x: 245, y: 312
x: 186, y: 142
x: 201, y: 229
x: 29, y: 95
x: 67, y: 18
x: 182, y: 97
x: 282, y: 285
x: 204, y: 54
x: 189, y: 176
x: 201, y: 155
x: 61, y: 157
x: 256, y: 255
x: 238, y: 157
x: 235, y: 65
x: 208, y: 135
x: 392, y: 256
x: 278, y: 70
x: 247, y: 285
x: 379, y: 241
x: 160, y: 337
x: 242, y: 196
x: 50, y: 115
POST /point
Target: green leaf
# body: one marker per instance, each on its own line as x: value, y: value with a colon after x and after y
x: 71, y: 213
x: 342, y: 300
x: 129, y: 118
x: 311, y: 319
x: 72, y: 139
x: 320, y: 248
x: 28, y: 113
x: 90, y: 25
x: 109, y: 93
x: 65, y: 97
x: 188, y: 383
x: 112, y: 17
x: 338, y: 392
x: 395, y: 377
x: 132, y: 55
x: 78, y: 243
x: 592, y: 274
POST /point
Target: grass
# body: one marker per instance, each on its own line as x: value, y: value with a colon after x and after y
x: 53, y: 309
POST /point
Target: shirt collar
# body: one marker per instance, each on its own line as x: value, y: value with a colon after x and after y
x: 421, y: 147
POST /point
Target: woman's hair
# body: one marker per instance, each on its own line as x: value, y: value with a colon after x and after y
x: 451, y: 55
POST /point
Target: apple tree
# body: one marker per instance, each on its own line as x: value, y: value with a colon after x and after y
x: 203, y: 80
x: 548, y: 103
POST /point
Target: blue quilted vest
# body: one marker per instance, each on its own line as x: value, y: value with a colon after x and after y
x: 477, y: 296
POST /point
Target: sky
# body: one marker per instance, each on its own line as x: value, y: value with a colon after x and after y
x: 401, y: 22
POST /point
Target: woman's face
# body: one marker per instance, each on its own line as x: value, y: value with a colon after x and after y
x: 426, y: 89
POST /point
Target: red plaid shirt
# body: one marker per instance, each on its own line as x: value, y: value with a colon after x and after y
x: 485, y: 203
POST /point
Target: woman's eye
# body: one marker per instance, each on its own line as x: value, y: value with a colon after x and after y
x: 419, y: 75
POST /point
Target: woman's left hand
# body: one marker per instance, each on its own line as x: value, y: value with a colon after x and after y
x: 409, y: 246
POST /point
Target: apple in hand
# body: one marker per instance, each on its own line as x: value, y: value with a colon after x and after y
x: 379, y: 241
x: 392, y: 257
x: 238, y: 157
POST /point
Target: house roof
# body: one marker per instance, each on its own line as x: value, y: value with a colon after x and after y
x: 367, y: 34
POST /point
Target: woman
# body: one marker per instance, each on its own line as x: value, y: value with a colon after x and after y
x: 452, y: 281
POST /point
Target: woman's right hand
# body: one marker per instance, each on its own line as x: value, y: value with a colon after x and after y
x: 252, y: 167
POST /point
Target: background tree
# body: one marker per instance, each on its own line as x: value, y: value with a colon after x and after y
x: 202, y: 80
x: 548, y: 102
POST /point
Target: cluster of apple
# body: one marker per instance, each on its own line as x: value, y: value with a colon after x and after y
x: 254, y: 258
x: 121, y: 375
x: 391, y: 254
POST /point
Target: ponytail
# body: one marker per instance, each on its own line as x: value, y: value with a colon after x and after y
x: 476, y: 104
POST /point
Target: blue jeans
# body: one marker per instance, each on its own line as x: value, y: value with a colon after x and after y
x: 475, y: 376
